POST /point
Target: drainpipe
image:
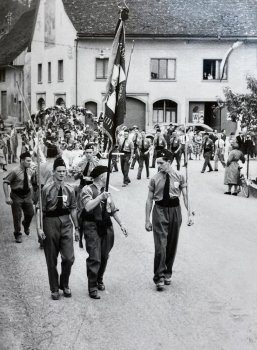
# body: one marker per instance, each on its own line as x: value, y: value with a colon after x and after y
x: 76, y: 78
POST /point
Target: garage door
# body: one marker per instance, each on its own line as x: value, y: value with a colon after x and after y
x: 135, y: 113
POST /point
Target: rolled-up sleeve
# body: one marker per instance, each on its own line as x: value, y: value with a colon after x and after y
x: 151, y: 185
x: 183, y: 182
x: 86, y: 196
x: 9, y: 178
x: 73, y: 202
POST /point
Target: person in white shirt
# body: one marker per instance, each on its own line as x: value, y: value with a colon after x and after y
x: 219, y: 153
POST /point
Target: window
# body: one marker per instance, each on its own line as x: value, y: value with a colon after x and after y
x: 39, y: 73
x: 211, y: 70
x: 102, y: 68
x: 163, y: 68
x: 164, y: 111
x: 2, y: 75
x: 60, y: 70
x: 49, y: 72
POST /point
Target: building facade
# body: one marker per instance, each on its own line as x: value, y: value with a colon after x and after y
x: 174, y: 71
x: 15, y: 69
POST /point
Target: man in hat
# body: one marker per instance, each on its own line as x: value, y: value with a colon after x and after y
x: 59, y: 215
x: 70, y: 143
x: 19, y: 180
x: 159, y: 144
x: 175, y: 147
x: 135, y: 140
x: 144, y: 146
x: 98, y: 207
x: 208, y: 148
x: 126, y: 147
x: 164, y: 189
x: 85, y: 168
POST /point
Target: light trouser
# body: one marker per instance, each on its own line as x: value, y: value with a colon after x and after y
x: 219, y: 156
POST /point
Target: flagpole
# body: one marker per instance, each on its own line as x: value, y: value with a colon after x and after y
x: 120, y: 27
x: 38, y: 159
x: 189, y: 214
x: 131, y: 53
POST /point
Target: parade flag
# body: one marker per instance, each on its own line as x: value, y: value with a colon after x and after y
x: 226, y: 57
x: 115, y: 98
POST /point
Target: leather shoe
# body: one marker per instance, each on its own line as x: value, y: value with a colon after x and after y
x: 94, y: 295
x: 66, y: 291
x: 167, y: 281
x: 160, y: 285
x: 26, y: 229
x: 18, y: 239
x: 55, y: 295
x: 209, y: 171
x: 234, y: 194
x: 227, y: 192
x: 100, y: 286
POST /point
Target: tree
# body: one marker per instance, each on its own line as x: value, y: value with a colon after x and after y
x: 242, y: 107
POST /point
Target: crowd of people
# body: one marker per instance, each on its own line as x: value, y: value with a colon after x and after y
x: 63, y: 145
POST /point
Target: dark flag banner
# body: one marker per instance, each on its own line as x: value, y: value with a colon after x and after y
x: 115, y: 98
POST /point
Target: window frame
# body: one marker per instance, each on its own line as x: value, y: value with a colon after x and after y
x: 40, y: 73
x: 49, y: 72
x: 167, y: 59
x: 60, y: 71
x: 105, y: 73
x: 2, y: 75
x: 214, y: 79
x: 165, y: 109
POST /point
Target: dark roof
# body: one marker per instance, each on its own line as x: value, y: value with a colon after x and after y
x: 18, y: 39
x: 205, y: 18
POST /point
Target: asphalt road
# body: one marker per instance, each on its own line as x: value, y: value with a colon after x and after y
x: 211, y: 303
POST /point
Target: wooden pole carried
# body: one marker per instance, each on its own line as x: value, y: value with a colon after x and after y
x: 38, y: 159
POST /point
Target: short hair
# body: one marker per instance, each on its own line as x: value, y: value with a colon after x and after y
x: 25, y: 155
x: 88, y: 146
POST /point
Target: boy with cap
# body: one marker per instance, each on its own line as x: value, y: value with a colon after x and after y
x: 159, y: 144
x: 165, y: 188
x: 98, y: 230
x: 59, y: 207
x: 19, y: 179
x: 83, y: 172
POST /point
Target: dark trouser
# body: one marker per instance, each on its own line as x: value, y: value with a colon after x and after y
x: 177, y: 156
x: 166, y: 226
x: 124, y: 163
x: 155, y: 155
x: 207, y: 158
x: 21, y: 204
x: 98, y: 249
x: 143, y: 158
x: 135, y: 159
x: 114, y: 164
x: 59, y: 238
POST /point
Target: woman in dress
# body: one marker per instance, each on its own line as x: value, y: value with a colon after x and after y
x: 232, y: 172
